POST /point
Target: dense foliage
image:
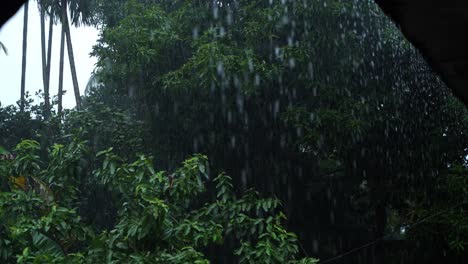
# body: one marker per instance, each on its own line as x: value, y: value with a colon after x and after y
x: 161, y: 218
x: 320, y: 103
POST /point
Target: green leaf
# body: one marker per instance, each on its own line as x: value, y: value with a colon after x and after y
x: 46, y: 244
x: 3, y: 151
x: 113, y: 167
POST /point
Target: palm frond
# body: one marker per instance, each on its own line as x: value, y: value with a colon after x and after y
x: 2, y: 47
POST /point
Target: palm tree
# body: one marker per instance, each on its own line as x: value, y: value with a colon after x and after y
x: 63, y: 13
x: 46, y: 61
x: 80, y: 12
x: 23, y: 66
x: 71, y: 58
x: 49, y: 55
x: 54, y: 12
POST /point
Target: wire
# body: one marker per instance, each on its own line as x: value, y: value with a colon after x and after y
x: 382, y: 237
x: 350, y: 251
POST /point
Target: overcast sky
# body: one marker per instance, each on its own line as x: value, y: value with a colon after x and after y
x: 11, y: 35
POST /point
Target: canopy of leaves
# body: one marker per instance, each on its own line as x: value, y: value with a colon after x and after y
x: 162, y: 217
x: 321, y: 104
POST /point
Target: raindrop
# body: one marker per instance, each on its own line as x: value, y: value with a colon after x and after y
x: 251, y: 66
x: 229, y: 117
x: 220, y: 69
x: 244, y: 178
x: 195, y: 32
x: 276, y: 108
x: 156, y: 109
x: 292, y: 63
x: 299, y: 131
x: 215, y: 10
x: 237, y: 82
x: 222, y: 32
x: 233, y: 141
x: 223, y: 99
x: 315, y: 245
x: 311, y: 117
x: 310, y: 69
x: 195, y: 145
x: 240, y: 103
x: 229, y: 19
x: 282, y: 141
x: 277, y: 51
x: 257, y: 80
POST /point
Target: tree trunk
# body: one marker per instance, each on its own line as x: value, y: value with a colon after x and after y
x: 23, y: 66
x: 43, y: 45
x: 71, y: 58
x: 62, y: 54
x: 49, y: 55
x: 44, y: 62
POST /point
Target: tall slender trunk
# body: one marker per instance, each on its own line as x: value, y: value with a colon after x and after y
x: 43, y: 45
x: 23, y: 66
x: 62, y: 54
x: 71, y: 58
x: 44, y: 62
x: 46, y: 57
x: 49, y: 55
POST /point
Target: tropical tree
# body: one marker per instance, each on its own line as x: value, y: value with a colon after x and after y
x: 23, y: 66
x: 71, y: 58
x: 63, y: 13
x: 324, y: 106
x: 161, y: 218
x: 46, y: 55
x: 307, y: 101
x: 81, y: 12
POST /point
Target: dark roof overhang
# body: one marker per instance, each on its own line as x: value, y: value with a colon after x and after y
x: 439, y: 30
